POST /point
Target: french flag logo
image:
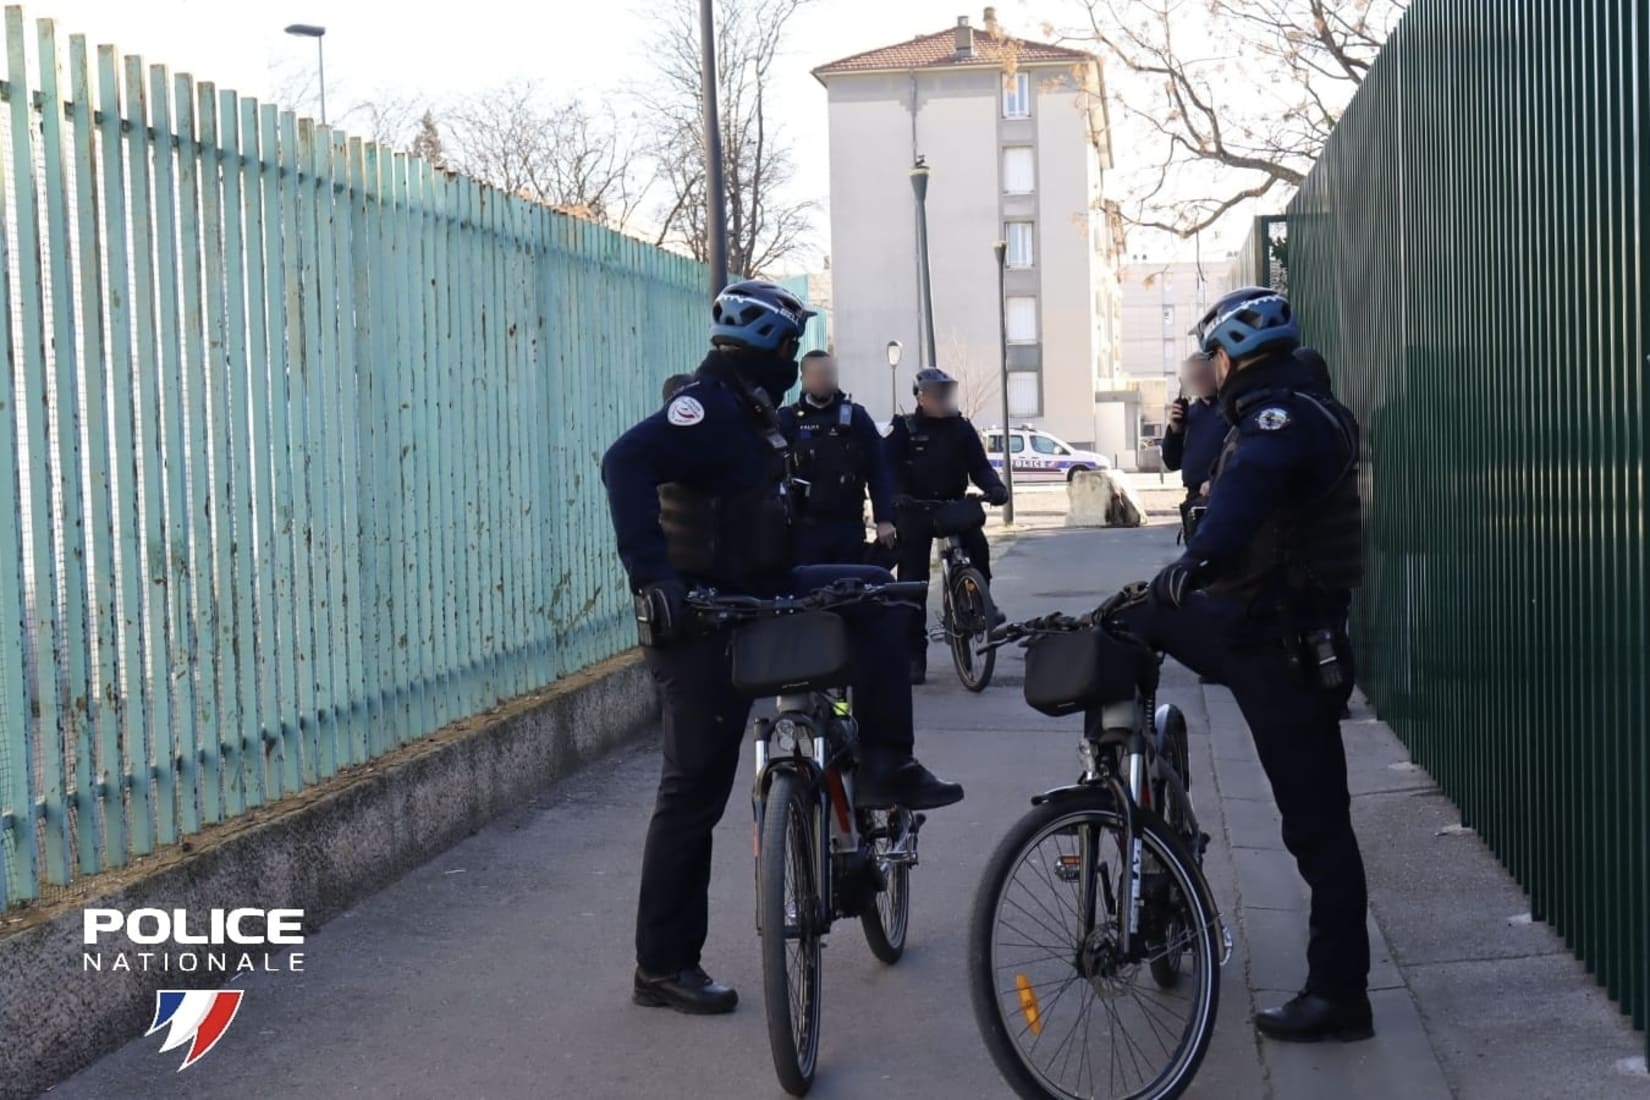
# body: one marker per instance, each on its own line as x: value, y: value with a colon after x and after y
x: 199, y: 1017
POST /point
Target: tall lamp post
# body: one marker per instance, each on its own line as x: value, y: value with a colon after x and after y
x: 895, y: 350
x: 309, y: 30
x: 919, y: 187
x: 1001, y: 249
x: 716, y: 230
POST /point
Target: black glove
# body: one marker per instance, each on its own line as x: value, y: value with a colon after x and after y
x: 661, y: 612
x: 998, y: 496
x: 1170, y: 586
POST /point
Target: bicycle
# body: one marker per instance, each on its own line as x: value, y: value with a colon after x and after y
x: 819, y: 856
x: 1100, y: 881
x: 967, y: 613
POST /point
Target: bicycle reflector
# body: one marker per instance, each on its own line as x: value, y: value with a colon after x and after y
x: 1028, y: 1004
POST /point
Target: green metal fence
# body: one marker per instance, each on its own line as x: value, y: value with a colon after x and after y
x: 1468, y: 255
x: 298, y: 450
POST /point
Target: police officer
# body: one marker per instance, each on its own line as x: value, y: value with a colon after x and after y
x: 934, y: 453
x: 1259, y: 601
x: 839, y: 456
x: 1196, y: 431
x: 698, y: 495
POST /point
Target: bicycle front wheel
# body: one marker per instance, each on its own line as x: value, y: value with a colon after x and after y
x: 792, y: 927
x: 1064, y: 1011
x: 968, y: 628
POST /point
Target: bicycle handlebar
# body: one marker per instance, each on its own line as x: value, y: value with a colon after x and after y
x: 1103, y: 616
x: 708, y: 603
x: 921, y: 502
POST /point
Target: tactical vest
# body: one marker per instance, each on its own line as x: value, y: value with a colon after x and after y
x: 830, y: 459
x: 1307, y: 548
x: 735, y: 539
x: 934, y: 469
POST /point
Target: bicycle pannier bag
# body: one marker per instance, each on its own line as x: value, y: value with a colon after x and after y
x: 1070, y: 672
x: 956, y: 517
x: 799, y: 652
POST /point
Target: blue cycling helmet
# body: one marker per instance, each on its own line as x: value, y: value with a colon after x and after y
x: 757, y: 314
x: 1248, y: 321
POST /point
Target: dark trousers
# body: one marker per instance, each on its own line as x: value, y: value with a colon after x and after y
x: 914, y: 552
x: 704, y: 723
x: 831, y: 543
x: 1296, y: 728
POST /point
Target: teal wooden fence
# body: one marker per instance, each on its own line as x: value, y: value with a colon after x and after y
x: 1468, y: 254
x: 298, y: 450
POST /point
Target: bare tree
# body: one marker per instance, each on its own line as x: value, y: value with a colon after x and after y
x: 559, y: 152
x: 427, y: 144
x: 1238, y: 96
x: 763, y: 226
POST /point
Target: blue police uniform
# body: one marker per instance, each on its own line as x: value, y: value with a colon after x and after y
x: 1193, y: 449
x: 697, y: 493
x: 839, y: 456
x: 1276, y: 556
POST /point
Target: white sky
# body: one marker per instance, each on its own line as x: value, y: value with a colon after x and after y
x: 444, y: 51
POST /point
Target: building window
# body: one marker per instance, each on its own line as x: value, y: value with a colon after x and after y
x: 1168, y: 322
x: 1017, y: 96
x: 1019, y: 170
x: 1021, y: 252
x: 1025, y: 394
x: 1022, y: 319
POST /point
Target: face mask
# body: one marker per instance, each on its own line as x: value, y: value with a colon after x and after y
x: 775, y: 377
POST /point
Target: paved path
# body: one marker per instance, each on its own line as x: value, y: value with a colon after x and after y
x: 501, y: 968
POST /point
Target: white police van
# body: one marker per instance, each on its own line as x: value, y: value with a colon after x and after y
x: 1038, y: 455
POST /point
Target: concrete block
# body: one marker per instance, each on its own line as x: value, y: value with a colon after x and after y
x: 1103, y: 498
x: 1269, y: 880
x: 319, y: 850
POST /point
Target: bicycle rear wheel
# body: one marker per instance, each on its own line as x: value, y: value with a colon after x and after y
x: 1062, y: 1010
x: 792, y: 927
x: 968, y: 628
x: 886, y: 922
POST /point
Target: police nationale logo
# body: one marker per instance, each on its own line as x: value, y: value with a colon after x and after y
x: 1270, y: 420
x: 199, y: 1017
x: 685, y: 412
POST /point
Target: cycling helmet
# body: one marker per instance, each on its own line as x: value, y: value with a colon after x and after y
x: 1248, y: 321
x: 757, y: 314
x: 931, y: 378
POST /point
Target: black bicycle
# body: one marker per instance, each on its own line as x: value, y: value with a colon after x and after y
x: 1095, y: 944
x: 819, y: 856
x: 966, y: 612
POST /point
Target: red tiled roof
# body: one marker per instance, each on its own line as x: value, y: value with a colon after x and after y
x: 931, y: 51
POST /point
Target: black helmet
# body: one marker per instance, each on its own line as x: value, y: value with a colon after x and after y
x: 931, y: 378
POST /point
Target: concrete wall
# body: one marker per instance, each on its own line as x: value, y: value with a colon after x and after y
x: 320, y: 851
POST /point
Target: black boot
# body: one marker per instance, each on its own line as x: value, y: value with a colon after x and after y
x: 887, y: 782
x: 919, y: 668
x: 691, y: 991
x: 1310, y: 1018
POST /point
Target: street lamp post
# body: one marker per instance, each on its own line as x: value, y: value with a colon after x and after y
x: 919, y: 187
x: 309, y: 30
x: 716, y: 231
x: 895, y: 350
x: 1001, y: 249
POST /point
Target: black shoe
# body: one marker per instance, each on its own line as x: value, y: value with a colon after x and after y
x: 691, y: 991
x: 919, y: 670
x: 903, y: 783
x: 1310, y: 1018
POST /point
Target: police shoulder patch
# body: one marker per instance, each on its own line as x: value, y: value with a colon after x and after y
x: 685, y: 412
x: 1272, y: 418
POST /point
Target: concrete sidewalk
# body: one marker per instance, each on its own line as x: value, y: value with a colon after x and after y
x: 501, y: 968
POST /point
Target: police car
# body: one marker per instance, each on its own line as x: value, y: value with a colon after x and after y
x: 1040, y: 455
